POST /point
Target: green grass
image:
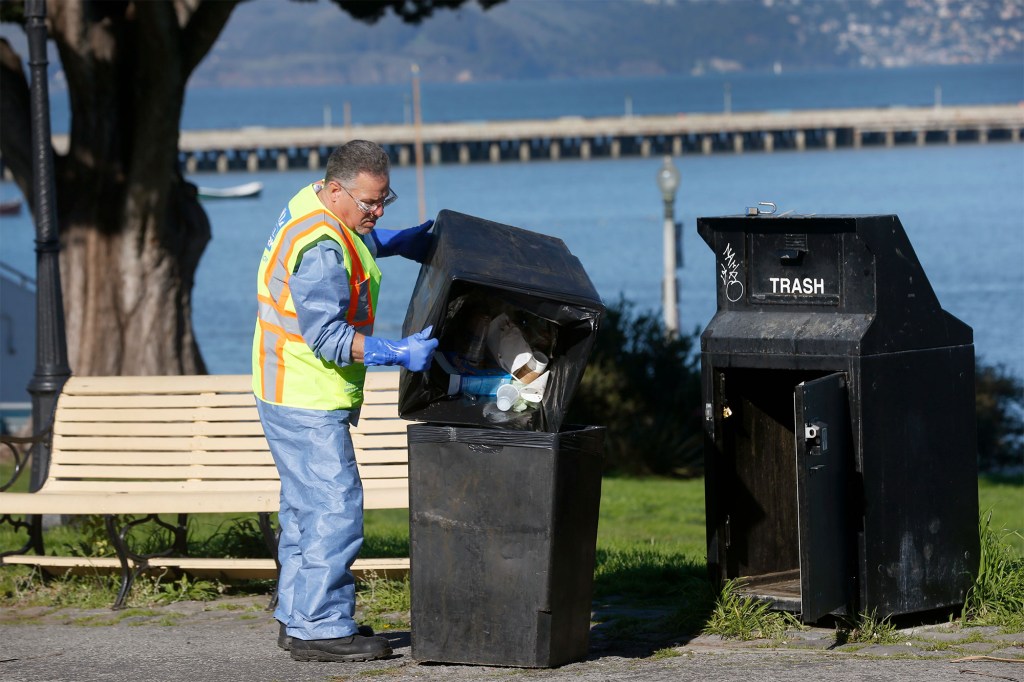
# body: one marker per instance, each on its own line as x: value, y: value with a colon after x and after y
x: 665, y: 516
x: 650, y: 551
x: 1004, y: 497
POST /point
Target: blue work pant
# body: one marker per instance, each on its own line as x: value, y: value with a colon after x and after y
x: 321, y: 518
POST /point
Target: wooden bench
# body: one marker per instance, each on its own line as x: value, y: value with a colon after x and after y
x: 130, y: 448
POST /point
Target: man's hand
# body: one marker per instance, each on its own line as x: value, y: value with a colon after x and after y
x: 413, y: 352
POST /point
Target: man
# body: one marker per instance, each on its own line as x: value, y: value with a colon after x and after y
x: 317, y: 296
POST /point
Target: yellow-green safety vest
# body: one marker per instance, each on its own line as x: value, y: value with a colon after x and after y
x: 284, y: 369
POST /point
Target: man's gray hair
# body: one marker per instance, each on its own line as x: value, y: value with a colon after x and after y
x: 355, y: 157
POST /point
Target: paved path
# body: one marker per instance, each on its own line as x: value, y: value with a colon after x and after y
x: 235, y: 640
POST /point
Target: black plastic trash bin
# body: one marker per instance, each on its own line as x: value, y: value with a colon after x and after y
x: 503, y: 526
x: 840, y: 441
x: 503, y: 505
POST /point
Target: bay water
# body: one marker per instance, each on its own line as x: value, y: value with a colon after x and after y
x: 962, y: 206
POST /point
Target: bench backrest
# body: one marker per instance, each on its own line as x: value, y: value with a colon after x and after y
x: 202, y: 433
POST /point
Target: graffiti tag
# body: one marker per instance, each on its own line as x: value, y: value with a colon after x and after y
x: 731, y: 275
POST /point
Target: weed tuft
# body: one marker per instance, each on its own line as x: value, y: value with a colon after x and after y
x: 185, y: 589
x: 997, y: 596
x: 745, y: 617
x: 867, y: 629
x: 385, y: 603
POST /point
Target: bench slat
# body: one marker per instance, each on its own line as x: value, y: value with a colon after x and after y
x: 158, y: 429
x: 378, y: 494
x: 203, y: 443
x: 136, y: 458
x: 232, y: 568
x: 197, y: 428
x: 149, y: 415
x: 129, y: 401
x: 118, y: 474
x: 136, y: 443
x: 372, y: 399
x: 266, y: 568
x: 194, y: 383
x: 379, y: 411
x: 132, y: 411
x: 213, y: 487
x: 186, y: 383
x: 381, y: 396
x: 241, y: 498
x: 397, y: 455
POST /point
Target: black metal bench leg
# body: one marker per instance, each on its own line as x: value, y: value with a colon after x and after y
x: 35, y: 533
x: 181, y: 535
x: 127, y: 574
x: 125, y: 554
x: 32, y: 525
x: 271, y: 538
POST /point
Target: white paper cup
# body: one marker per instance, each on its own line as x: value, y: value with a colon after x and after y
x: 528, y: 366
x: 507, y: 394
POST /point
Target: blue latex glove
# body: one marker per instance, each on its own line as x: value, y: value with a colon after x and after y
x: 412, y: 243
x: 413, y: 352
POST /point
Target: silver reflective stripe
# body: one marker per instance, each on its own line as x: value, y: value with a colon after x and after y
x: 268, y: 313
x: 293, y: 232
x: 278, y: 270
x: 270, y: 366
x: 276, y: 284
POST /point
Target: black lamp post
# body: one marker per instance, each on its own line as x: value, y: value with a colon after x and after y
x: 668, y: 183
x: 51, y: 346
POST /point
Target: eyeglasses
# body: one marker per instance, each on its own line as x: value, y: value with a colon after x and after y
x: 372, y: 208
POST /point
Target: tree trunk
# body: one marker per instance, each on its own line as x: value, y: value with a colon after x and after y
x: 132, y: 229
x: 128, y: 292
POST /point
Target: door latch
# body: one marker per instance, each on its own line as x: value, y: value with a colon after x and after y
x: 816, y: 436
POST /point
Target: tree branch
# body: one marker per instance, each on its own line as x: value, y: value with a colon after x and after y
x: 201, y: 30
x: 15, y: 112
x: 411, y: 12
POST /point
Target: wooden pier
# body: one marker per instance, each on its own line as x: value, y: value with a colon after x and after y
x: 257, y: 148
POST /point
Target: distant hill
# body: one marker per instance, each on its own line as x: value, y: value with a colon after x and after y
x: 273, y: 42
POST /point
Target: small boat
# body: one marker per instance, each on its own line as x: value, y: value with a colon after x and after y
x: 244, y: 191
x: 10, y: 207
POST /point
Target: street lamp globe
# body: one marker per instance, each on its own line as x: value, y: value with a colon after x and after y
x: 668, y: 180
x: 668, y: 183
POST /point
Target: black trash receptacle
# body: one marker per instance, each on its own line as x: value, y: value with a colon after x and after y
x: 840, y: 441
x: 503, y: 526
x: 503, y: 506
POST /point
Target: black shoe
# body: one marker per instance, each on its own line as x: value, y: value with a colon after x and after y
x: 354, y: 648
x: 285, y: 641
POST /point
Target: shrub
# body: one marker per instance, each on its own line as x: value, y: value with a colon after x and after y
x: 999, y: 406
x: 645, y: 388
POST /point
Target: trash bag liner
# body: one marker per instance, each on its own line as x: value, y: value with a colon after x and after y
x: 477, y: 270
